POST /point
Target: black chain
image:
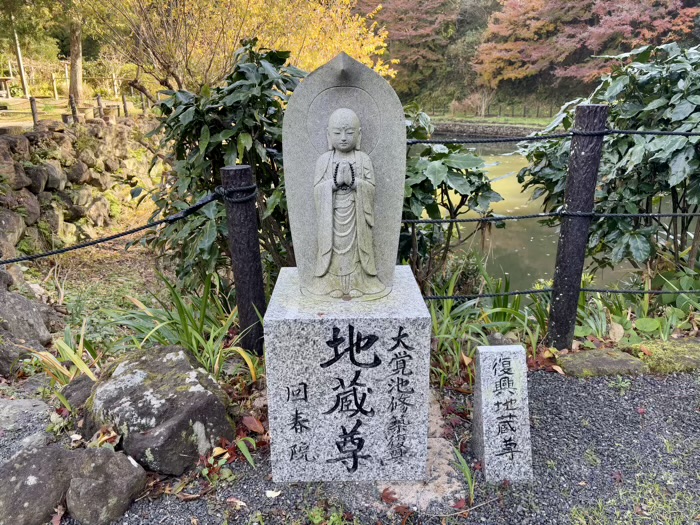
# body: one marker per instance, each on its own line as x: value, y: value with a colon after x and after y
x: 554, y: 136
x: 230, y: 194
x: 167, y: 220
x: 497, y: 218
x: 549, y: 290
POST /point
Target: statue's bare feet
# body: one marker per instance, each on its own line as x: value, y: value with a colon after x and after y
x: 336, y: 294
x: 355, y: 294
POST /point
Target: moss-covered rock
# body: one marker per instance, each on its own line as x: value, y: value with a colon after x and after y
x: 168, y: 409
x: 668, y: 357
x: 593, y: 363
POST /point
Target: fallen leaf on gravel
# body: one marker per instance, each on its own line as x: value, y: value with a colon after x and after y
x: 405, y: 512
x: 218, y: 451
x: 253, y: 424
x: 348, y: 516
x: 478, y: 466
x: 194, y: 521
x: 460, y: 504
x: 389, y: 496
x: 236, y: 503
x: 56, y: 519
x: 183, y: 496
x: 558, y: 369
x: 272, y: 493
x: 582, y: 483
x: 617, y: 477
x: 641, y: 411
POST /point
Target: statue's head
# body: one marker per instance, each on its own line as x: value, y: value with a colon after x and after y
x: 344, y: 131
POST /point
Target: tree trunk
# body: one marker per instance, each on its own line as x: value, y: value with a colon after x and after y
x: 76, y: 60
x: 20, y: 62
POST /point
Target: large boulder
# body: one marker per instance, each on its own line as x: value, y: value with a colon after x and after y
x: 39, y: 176
x: 98, y: 212
x: 41, y: 141
x: 79, y: 173
x: 32, y: 484
x: 103, y: 487
x: 11, y: 226
x: 23, y: 318
x: 23, y: 202
x: 91, y: 160
x: 18, y: 146
x: 168, y: 410
x: 98, y: 485
x: 12, y: 349
x: 12, y: 174
x: 57, y: 177
x: 100, y: 179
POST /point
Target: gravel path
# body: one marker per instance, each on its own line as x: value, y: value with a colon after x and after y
x: 605, y: 452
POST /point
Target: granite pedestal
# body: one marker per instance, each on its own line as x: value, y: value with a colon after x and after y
x: 348, y: 384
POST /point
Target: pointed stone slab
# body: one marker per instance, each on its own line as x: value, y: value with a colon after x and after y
x: 345, y: 83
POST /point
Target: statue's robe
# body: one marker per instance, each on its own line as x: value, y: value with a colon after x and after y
x: 345, y: 218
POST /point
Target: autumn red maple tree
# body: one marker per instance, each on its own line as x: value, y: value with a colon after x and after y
x: 562, y: 37
x: 418, y: 33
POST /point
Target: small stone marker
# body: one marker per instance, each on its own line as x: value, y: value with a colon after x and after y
x: 501, y: 424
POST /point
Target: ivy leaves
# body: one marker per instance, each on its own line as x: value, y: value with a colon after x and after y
x: 640, y: 173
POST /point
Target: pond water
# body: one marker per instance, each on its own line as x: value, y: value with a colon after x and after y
x: 524, y: 250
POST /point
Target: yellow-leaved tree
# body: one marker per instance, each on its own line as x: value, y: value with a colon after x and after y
x: 186, y: 44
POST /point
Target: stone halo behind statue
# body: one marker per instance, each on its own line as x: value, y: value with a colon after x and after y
x: 344, y: 195
x: 356, y: 186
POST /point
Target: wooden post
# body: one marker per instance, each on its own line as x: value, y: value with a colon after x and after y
x: 143, y: 104
x: 114, y: 85
x: 65, y: 72
x: 584, y: 162
x: 100, y: 109
x: 35, y: 112
x: 126, y: 109
x: 524, y: 110
x: 500, y: 110
x: 538, y: 111
x: 73, y: 108
x: 244, y: 247
x: 53, y: 83
x: 551, y: 110
x: 512, y: 111
x: 131, y: 90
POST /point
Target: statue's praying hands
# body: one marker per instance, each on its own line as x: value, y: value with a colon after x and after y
x: 345, y: 177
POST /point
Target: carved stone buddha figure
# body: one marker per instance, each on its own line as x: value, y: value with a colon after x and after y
x: 344, y: 187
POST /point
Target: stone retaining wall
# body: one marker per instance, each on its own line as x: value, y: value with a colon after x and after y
x: 474, y: 129
x: 58, y: 183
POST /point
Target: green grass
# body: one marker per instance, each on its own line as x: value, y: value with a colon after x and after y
x: 534, y: 122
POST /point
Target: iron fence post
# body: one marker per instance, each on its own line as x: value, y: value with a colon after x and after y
x: 586, y: 151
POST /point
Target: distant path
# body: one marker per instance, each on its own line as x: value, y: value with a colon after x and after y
x: 481, y: 129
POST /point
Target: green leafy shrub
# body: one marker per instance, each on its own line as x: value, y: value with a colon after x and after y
x: 443, y: 181
x: 658, y: 90
x: 237, y: 123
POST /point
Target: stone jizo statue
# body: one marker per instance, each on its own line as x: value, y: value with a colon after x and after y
x: 344, y: 188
